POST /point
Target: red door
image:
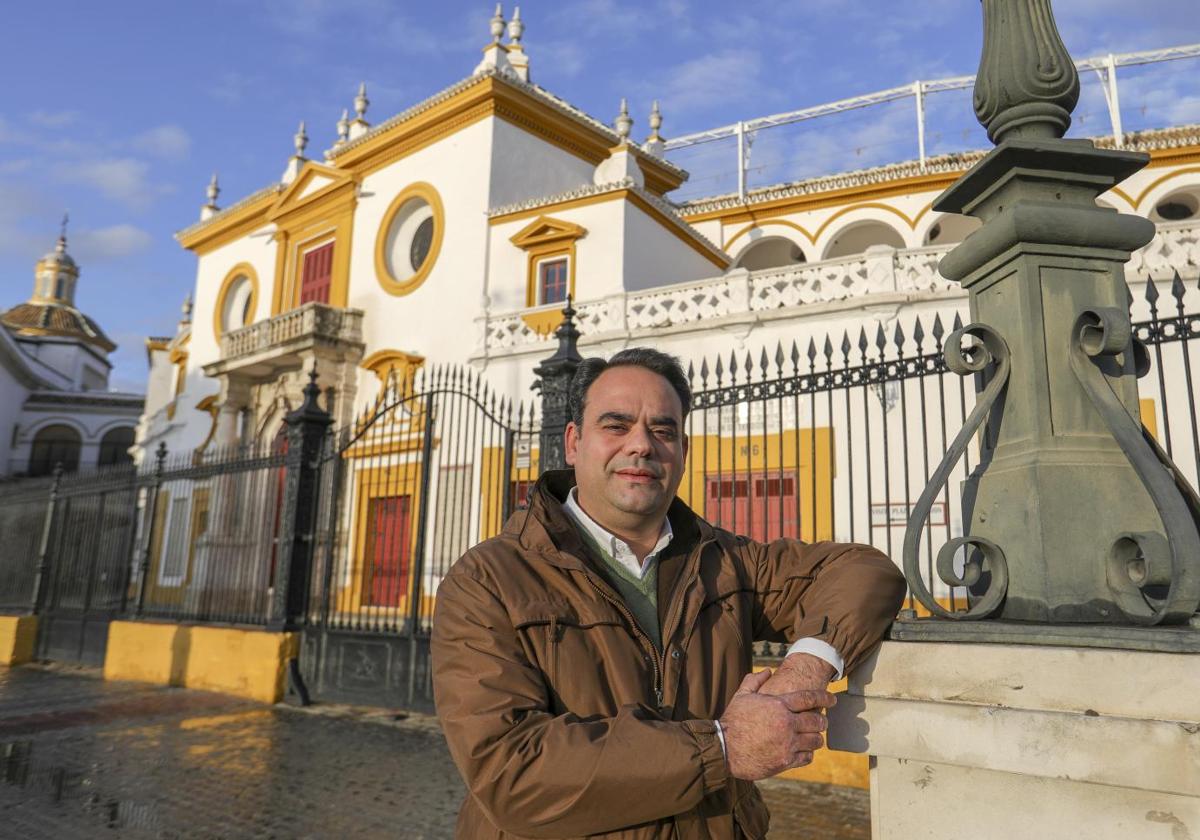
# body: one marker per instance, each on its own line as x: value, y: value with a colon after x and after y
x: 387, y: 549
x: 316, y: 274
x: 761, y: 506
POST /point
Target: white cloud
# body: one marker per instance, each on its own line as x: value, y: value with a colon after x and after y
x: 122, y: 179
x: 112, y: 242
x: 723, y: 80
x: 53, y: 119
x: 169, y: 142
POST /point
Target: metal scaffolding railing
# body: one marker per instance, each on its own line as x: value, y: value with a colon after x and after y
x: 744, y: 131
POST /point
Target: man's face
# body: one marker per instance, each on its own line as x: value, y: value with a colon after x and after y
x: 628, y: 455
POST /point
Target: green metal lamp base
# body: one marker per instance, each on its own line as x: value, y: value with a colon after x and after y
x: 1185, y: 639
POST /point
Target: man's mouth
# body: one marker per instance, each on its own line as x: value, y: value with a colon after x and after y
x: 638, y: 476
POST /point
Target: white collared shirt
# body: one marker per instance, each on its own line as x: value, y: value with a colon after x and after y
x: 617, y: 548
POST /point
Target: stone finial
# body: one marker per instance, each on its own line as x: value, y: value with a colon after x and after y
x: 361, y: 102
x: 359, y: 125
x: 343, y: 128
x: 61, y: 246
x: 208, y: 210
x: 1027, y: 84
x: 655, y: 144
x: 497, y: 24
x: 623, y: 122
x: 300, y: 140
x: 186, y: 310
x: 516, y: 27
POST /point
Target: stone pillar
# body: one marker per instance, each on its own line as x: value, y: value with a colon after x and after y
x: 554, y: 376
x: 235, y: 398
x: 994, y: 742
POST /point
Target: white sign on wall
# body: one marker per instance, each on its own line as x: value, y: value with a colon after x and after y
x: 896, y: 514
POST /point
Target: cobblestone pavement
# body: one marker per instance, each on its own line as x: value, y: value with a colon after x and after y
x: 84, y: 758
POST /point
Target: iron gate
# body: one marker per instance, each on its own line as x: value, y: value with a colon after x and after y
x: 84, y: 562
x: 435, y: 465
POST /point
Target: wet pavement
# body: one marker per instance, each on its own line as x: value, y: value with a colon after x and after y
x: 84, y: 758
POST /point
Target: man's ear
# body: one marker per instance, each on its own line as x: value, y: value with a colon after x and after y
x: 686, y: 441
x: 570, y: 442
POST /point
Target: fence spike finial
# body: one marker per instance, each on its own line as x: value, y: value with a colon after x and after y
x: 898, y: 337
x: 938, y: 330
x: 828, y: 350
x: 1177, y: 290
x: 763, y: 363
x: 704, y: 372
x: 720, y: 370
x: 880, y: 339
x: 958, y: 322
x: 846, y: 345
x: 691, y: 374
x: 812, y: 352
x: 795, y: 356
x: 1151, y: 294
x: 919, y: 335
x: 779, y: 357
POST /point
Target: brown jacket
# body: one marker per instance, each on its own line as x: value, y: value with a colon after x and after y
x: 563, y: 718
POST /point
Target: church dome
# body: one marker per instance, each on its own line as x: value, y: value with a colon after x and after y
x: 55, y: 319
x: 51, y: 310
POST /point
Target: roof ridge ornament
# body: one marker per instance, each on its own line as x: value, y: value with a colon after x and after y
x: 518, y: 59
x: 623, y: 124
x: 1027, y: 85
x: 497, y: 24
x: 343, y: 128
x: 655, y: 144
x: 210, y: 209
x: 359, y: 125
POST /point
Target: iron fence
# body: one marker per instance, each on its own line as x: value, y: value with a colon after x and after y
x: 209, y: 535
x: 835, y: 438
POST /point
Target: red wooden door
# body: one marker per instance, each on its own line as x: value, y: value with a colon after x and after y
x: 316, y: 274
x: 388, y: 549
x: 761, y: 506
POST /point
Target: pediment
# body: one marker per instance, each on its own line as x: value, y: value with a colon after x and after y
x: 547, y: 229
x: 315, y: 181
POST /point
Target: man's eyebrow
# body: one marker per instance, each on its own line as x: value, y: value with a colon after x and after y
x: 615, y: 415
x: 664, y: 420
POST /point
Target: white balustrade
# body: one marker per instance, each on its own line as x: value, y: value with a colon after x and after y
x: 880, y: 271
x: 312, y: 320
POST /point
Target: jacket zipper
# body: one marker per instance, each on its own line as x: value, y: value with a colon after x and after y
x: 624, y: 610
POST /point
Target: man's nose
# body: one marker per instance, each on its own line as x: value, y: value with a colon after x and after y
x: 639, y: 441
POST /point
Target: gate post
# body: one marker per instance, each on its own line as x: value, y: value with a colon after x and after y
x: 160, y: 458
x: 554, y: 377
x: 43, y: 560
x: 307, y: 428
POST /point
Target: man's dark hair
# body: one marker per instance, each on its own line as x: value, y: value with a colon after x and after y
x: 664, y: 364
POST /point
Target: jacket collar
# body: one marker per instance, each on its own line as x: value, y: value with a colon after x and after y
x: 547, y: 530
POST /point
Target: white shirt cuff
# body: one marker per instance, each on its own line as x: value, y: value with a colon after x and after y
x: 821, y: 650
x: 721, y: 737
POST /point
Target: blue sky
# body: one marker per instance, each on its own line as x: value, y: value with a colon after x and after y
x: 120, y: 111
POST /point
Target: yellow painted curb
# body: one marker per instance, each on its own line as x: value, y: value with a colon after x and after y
x: 17, y: 636
x: 247, y: 663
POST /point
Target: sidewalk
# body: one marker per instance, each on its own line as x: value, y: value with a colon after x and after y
x: 82, y: 758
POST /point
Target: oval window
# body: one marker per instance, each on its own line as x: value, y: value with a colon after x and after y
x: 409, y: 238
x: 238, y: 302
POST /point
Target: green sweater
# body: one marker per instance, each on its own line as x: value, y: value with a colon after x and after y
x: 640, y: 594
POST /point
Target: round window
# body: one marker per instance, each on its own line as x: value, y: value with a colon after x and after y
x: 238, y: 302
x: 410, y: 236
x: 1178, y: 207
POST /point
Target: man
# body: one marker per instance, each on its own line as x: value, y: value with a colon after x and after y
x: 591, y: 663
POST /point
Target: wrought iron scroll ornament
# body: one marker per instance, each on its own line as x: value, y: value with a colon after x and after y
x: 991, y: 350
x: 1154, y: 580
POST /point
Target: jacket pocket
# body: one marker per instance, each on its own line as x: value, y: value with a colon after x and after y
x: 750, y: 813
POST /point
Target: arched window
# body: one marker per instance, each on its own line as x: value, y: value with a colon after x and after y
x: 114, y: 446
x: 859, y: 237
x: 53, y: 445
x: 770, y: 252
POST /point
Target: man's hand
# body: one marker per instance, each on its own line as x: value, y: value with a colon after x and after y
x: 765, y: 735
x: 800, y: 672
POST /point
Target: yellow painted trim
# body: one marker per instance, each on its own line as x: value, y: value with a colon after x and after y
x: 242, y: 269
x: 306, y: 221
x: 1117, y: 191
x: 1149, y: 416
x: 875, y: 205
x: 827, y: 198
x: 229, y: 227
x: 543, y: 239
x: 244, y: 663
x: 717, y: 259
x: 17, y: 636
x: 212, y: 407
x: 494, y: 98
x: 402, y: 365
x: 1157, y: 182
x: 153, y: 345
x: 390, y: 284
x: 768, y: 222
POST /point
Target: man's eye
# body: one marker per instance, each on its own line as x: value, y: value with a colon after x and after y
x: 614, y: 427
x: 665, y: 434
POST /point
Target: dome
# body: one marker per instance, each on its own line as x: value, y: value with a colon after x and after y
x: 55, y: 319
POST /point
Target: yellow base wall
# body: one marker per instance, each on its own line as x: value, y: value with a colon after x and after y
x: 245, y: 663
x: 17, y: 635
x: 832, y: 767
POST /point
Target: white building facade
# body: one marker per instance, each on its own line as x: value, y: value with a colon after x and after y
x: 55, y: 405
